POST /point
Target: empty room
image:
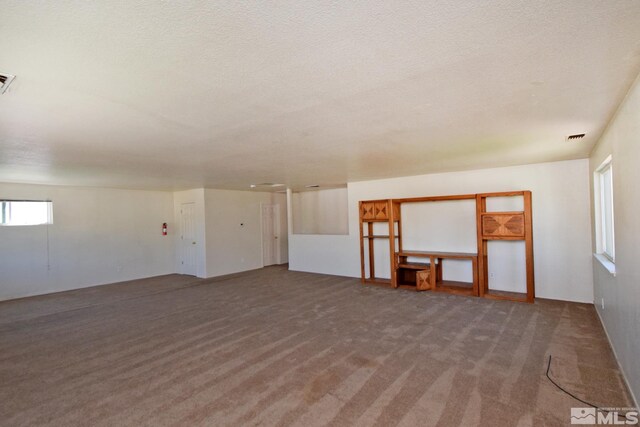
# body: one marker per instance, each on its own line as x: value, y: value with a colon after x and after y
x: 313, y: 213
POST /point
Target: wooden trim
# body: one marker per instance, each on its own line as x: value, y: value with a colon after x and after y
x: 528, y: 225
x: 378, y: 282
x: 504, y: 237
x: 362, y: 278
x: 435, y: 198
x: 392, y: 245
x: 481, y: 207
x: 399, y: 220
x: 502, y: 213
x: 474, y: 266
x: 434, y: 272
x: 452, y: 255
x: 414, y: 265
x: 372, y: 269
x: 374, y: 200
x: 507, y: 296
x: 504, y: 194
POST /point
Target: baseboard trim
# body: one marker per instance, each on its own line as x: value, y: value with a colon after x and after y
x: 615, y: 355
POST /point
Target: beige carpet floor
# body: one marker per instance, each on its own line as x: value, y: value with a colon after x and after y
x: 274, y: 347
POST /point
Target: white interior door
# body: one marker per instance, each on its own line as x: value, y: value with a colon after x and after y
x: 270, y: 231
x: 188, y: 239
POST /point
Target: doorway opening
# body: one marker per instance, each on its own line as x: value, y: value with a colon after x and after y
x: 188, y: 253
x: 270, y: 234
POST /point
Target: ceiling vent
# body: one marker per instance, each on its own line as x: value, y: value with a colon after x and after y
x: 266, y: 184
x: 575, y: 137
x: 5, y: 81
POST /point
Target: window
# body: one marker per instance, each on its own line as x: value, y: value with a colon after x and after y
x: 603, y: 184
x: 25, y: 212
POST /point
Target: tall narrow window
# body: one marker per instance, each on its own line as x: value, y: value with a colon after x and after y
x: 604, y: 210
x: 25, y: 212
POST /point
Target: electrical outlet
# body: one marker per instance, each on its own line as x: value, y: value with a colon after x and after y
x: 602, y: 299
x: 492, y: 275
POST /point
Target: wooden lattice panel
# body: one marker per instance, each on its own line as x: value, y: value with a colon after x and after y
x: 423, y: 280
x: 503, y: 226
x: 381, y: 210
x: 367, y: 210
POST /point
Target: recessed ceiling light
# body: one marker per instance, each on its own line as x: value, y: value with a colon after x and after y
x: 5, y: 81
x: 575, y: 137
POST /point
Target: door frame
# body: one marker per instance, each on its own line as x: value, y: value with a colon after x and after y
x: 183, y: 246
x: 276, y: 230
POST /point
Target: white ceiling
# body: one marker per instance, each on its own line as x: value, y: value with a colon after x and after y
x: 171, y: 95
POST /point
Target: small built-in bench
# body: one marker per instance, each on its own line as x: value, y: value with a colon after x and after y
x: 428, y: 276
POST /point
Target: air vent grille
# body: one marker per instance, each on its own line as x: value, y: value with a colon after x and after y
x: 575, y: 136
x: 266, y: 184
x: 5, y: 81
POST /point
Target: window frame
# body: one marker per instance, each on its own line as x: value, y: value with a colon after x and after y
x: 5, y: 212
x: 604, y: 201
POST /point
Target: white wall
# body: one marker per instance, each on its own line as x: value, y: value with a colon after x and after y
x: 621, y: 294
x: 320, y: 212
x: 281, y: 200
x: 561, y: 224
x: 326, y: 254
x: 101, y: 236
x: 98, y: 236
x: 232, y: 247
x: 197, y: 197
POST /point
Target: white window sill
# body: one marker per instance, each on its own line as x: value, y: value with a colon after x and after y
x: 606, y: 263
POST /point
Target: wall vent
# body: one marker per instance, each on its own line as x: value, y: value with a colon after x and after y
x: 5, y: 81
x: 575, y: 137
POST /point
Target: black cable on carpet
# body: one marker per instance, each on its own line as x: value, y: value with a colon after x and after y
x: 576, y: 397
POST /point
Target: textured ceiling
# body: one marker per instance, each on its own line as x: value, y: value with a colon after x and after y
x: 171, y: 95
